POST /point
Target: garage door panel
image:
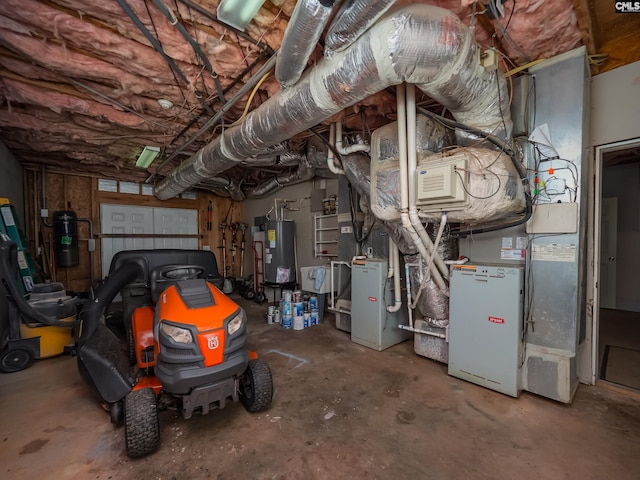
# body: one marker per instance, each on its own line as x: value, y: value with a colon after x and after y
x: 124, y: 219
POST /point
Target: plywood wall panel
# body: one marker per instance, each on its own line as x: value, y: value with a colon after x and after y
x: 65, y: 191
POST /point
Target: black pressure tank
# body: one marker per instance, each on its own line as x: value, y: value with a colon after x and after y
x: 65, y: 226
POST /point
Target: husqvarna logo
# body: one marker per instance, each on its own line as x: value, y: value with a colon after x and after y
x: 213, y: 342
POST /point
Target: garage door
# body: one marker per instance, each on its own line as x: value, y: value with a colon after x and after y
x: 129, y: 219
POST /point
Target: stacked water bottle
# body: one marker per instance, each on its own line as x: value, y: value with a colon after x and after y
x: 296, y: 311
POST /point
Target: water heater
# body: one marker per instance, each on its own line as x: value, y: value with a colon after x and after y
x: 279, y: 252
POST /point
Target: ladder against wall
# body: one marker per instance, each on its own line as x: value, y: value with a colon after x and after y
x: 10, y: 230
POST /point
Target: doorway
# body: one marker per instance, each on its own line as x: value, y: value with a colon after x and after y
x: 617, y: 313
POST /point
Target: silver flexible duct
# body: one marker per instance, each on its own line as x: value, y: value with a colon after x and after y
x: 353, y: 19
x: 301, y: 174
x: 225, y: 187
x: 306, y: 25
x: 420, y: 44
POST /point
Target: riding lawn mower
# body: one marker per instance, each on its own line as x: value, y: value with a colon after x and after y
x: 186, y: 344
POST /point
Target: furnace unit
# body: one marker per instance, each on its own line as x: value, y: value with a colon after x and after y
x: 371, y: 292
x: 485, y: 332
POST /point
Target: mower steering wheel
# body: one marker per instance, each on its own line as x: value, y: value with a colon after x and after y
x: 164, y: 276
x: 181, y: 272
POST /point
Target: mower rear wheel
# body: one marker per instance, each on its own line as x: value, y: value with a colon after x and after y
x: 260, y: 298
x: 141, y: 425
x: 16, y: 359
x: 256, y: 386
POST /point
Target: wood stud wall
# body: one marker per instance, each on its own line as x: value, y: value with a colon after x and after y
x: 65, y: 191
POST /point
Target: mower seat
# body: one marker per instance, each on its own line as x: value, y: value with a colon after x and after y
x: 163, y: 276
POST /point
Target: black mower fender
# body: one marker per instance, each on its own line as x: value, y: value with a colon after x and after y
x: 103, y: 360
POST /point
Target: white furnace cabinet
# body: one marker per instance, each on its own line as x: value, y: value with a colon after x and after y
x: 485, y: 332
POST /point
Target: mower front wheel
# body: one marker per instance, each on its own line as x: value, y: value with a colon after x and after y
x: 256, y: 386
x: 141, y: 425
x: 16, y: 359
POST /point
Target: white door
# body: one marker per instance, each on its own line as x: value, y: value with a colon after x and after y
x: 608, y: 242
x: 123, y: 219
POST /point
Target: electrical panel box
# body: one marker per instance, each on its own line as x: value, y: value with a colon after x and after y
x: 371, y: 324
x: 554, y: 218
x: 485, y: 331
x: 442, y: 184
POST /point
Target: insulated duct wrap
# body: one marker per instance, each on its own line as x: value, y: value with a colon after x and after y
x: 224, y: 187
x: 354, y: 18
x: 432, y: 303
x: 494, y: 189
x: 303, y: 173
x: 306, y: 25
x: 419, y: 44
x: 357, y: 170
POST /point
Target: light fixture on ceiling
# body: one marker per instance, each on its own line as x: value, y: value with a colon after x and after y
x: 147, y: 156
x: 165, y: 104
x: 238, y: 13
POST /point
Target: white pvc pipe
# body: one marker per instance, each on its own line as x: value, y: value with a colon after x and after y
x: 457, y: 262
x: 357, y: 147
x: 390, y: 271
x: 408, y: 285
x: 423, y: 332
x: 330, y: 158
x: 435, y: 254
x: 405, y: 188
x: 412, y: 165
x: 443, y: 223
x: 402, y: 150
x: 393, y: 254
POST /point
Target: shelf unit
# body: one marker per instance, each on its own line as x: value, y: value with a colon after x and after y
x: 325, y: 235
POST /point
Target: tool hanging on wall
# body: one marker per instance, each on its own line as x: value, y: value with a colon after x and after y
x: 243, y: 228
x: 209, y: 216
x: 227, y: 286
x: 234, y: 246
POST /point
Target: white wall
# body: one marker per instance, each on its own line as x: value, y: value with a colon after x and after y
x: 615, y: 105
x: 303, y: 218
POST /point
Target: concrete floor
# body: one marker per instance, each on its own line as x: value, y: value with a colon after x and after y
x: 340, y: 411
